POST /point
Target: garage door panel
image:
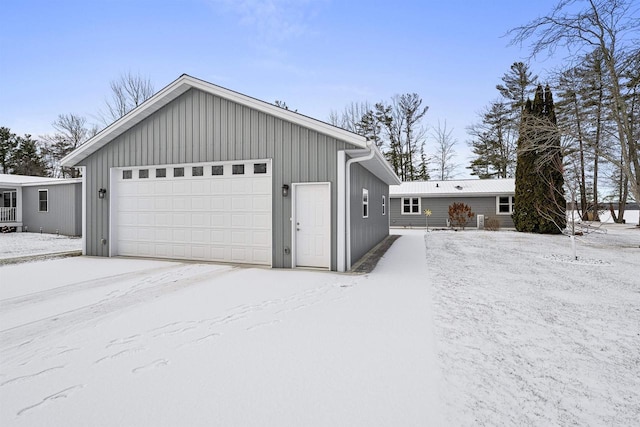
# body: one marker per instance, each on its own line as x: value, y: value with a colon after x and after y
x: 217, y: 218
x: 146, y: 204
x: 144, y: 187
x: 162, y: 203
x: 162, y: 188
x: 179, y: 187
x: 162, y: 219
x: 241, y: 186
x: 260, y: 186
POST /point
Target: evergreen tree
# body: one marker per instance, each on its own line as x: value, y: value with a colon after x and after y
x: 27, y: 158
x: 8, y: 146
x: 540, y: 206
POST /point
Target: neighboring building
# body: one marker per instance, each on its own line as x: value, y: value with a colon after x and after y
x: 200, y: 172
x: 41, y: 205
x: 493, y: 198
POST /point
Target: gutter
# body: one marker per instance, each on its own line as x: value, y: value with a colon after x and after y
x: 369, y: 153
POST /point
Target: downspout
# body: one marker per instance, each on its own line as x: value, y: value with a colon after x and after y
x: 369, y: 153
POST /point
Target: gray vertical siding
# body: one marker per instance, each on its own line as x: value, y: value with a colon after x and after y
x: 367, y: 232
x: 64, y: 215
x: 200, y: 127
x: 439, y: 207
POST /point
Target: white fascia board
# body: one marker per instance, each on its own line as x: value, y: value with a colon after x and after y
x: 378, y: 166
x: 144, y: 110
x: 56, y: 182
x: 182, y: 85
x: 443, y: 195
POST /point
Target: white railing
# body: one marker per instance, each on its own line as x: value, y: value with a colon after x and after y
x: 7, y: 214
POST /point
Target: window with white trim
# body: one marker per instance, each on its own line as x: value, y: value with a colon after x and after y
x: 384, y: 204
x: 505, y: 204
x: 411, y: 206
x: 43, y: 200
x: 365, y: 203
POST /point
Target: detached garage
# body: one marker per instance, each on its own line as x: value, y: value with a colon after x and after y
x: 199, y: 172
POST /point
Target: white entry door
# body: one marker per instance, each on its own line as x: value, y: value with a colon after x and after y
x: 312, y: 225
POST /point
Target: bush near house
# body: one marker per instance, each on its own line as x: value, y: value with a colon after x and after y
x: 491, y: 224
x: 460, y: 214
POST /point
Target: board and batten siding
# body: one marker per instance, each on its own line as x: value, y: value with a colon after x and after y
x: 201, y: 127
x: 367, y: 232
x: 439, y: 207
x: 64, y: 215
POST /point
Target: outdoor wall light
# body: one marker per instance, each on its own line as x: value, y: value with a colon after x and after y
x: 102, y: 192
x: 285, y: 190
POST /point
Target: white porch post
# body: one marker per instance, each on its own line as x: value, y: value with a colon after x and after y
x: 19, y: 205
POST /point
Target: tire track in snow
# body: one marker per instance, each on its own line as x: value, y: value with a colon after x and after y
x: 35, y: 297
x: 15, y: 340
x: 62, y: 394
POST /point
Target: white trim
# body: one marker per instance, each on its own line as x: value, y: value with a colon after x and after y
x: 341, y: 213
x: 411, y: 204
x: 83, y: 171
x: 367, y: 155
x: 39, y: 201
x: 511, y: 204
x: 112, y: 199
x: 365, y: 203
x: 294, y: 237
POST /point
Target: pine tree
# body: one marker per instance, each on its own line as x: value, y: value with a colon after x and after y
x: 540, y: 206
x: 524, y: 215
x: 8, y: 145
x: 27, y: 158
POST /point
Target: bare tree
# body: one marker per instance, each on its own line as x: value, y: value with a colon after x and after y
x: 612, y: 27
x: 72, y: 131
x: 129, y: 91
x: 444, y: 152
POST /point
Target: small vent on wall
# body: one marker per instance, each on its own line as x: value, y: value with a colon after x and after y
x: 458, y: 187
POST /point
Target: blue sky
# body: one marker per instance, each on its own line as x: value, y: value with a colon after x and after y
x: 317, y: 55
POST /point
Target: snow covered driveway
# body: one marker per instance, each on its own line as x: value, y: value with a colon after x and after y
x: 452, y: 328
x: 112, y: 342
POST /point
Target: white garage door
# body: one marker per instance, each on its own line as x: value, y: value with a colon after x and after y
x: 205, y: 211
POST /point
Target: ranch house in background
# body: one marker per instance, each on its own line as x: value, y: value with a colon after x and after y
x: 41, y: 204
x: 200, y: 172
x: 492, y: 198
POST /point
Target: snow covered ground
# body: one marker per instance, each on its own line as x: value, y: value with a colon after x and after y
x: 451, y: 328
x: 14, y: 245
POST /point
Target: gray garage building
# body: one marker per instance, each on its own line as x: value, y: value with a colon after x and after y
x: 201, y: 172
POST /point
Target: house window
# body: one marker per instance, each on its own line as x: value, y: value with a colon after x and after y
x: 384, y: 204
x: 177, y: 172
x: 197, y: 171
x: 259, y: 168
x: 43, y: 200
x: 161, y: 173
x: 505, y: 205
x: 237, y: 169
x: 143, y: 173
x: 217, y: 170
x: 365, y: 203
x: 411, y: 206
x: 127, y: 174
x: 9, y: 199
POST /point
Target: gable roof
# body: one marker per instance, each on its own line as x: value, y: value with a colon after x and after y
x: 181, y: 85
x: 462, y: 187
